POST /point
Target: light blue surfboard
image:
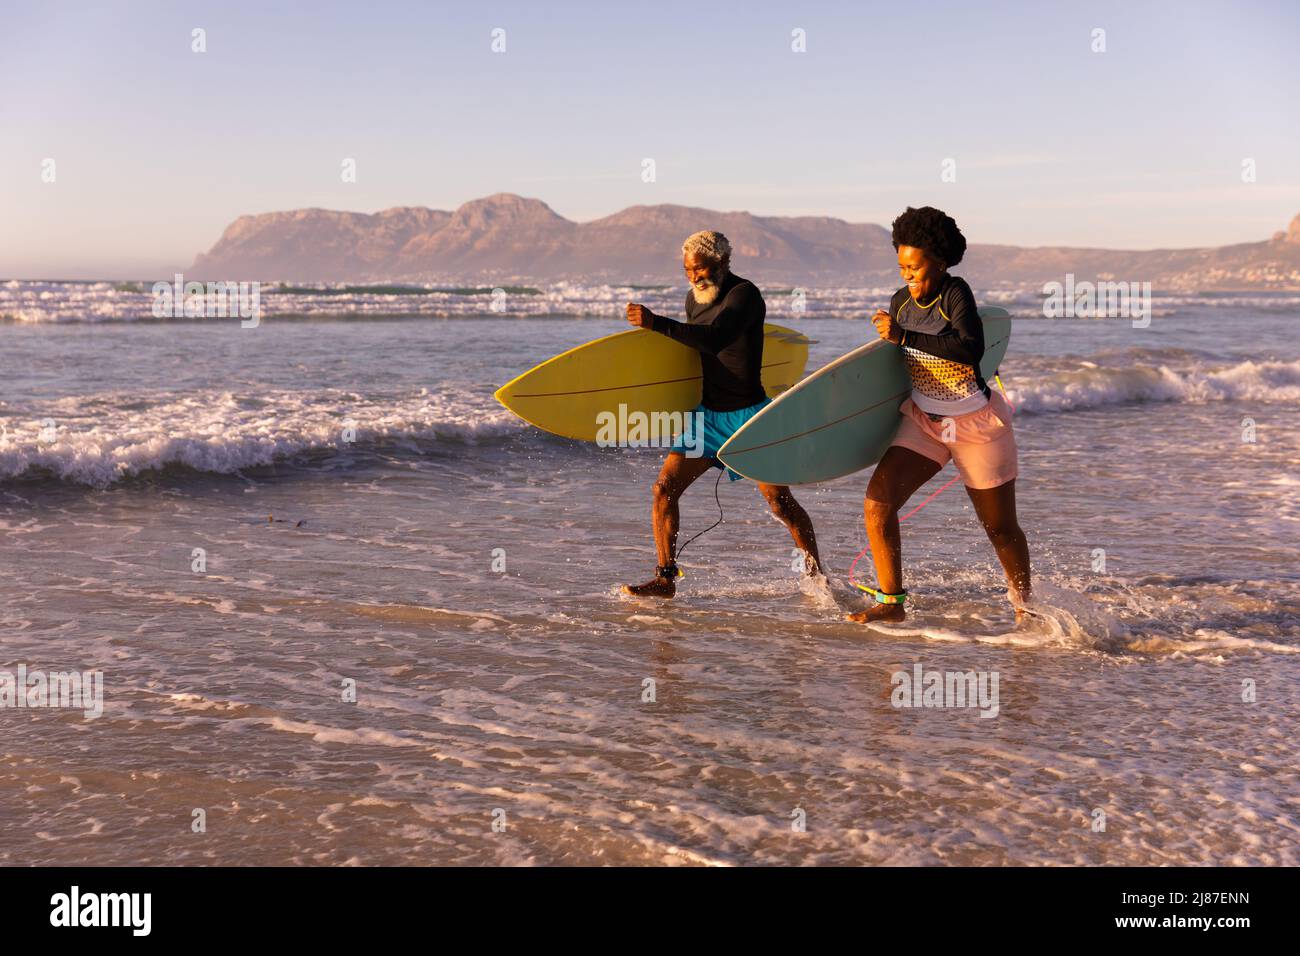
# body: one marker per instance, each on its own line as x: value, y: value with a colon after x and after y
x: 842, y: 417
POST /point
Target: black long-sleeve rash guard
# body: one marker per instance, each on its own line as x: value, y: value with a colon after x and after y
x: 728, y: 333
x: 953, y: 331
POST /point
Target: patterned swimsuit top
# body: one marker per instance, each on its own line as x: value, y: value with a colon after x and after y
x: 940, y: 386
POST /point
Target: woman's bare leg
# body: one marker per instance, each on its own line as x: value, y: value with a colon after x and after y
x: 898, y: 476
x: 996, y: 508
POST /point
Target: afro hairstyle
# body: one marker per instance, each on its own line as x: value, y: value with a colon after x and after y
x: 931, y: 230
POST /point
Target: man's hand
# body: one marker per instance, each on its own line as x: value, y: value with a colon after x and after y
x: 886, y: 327
x: 640, y: 316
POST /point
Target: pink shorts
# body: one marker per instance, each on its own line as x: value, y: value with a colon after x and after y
x: 981, y: 443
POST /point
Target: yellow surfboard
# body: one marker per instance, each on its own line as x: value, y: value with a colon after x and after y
x: 640, y: 370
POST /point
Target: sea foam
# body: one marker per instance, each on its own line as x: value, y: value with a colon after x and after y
x: 102, y: 438
x: 1095, y: 387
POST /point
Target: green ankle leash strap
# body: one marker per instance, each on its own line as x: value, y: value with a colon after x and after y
x: 881, y: 597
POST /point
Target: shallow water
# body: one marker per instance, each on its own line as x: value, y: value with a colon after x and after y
x: 522, y: 691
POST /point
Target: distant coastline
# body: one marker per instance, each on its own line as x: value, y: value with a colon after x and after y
x: 508, y: 239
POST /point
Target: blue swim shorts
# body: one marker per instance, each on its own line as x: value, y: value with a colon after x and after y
x: 718, y: 427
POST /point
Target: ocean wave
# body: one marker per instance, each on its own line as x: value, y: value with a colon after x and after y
x: 45, y: 302
x: 41, y: 302
x: 1095, y: 386
x: 48, y: 302
x: 37, y: 302
x: 100, y: 439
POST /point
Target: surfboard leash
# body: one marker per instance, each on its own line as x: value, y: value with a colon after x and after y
x: 998, y: 378
x: 718, y: 500
x: 873, y: 591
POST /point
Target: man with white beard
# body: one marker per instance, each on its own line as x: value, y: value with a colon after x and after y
x: 725, y: 324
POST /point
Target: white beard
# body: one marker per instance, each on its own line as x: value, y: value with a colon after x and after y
x: 706, y: 292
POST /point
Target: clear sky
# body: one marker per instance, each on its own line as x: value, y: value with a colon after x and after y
x: 158, y: 148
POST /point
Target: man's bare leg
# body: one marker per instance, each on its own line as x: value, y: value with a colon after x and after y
x: 792, y: 515
x: 677, y: 474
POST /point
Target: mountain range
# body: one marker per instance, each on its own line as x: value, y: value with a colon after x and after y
x: 506, y: 237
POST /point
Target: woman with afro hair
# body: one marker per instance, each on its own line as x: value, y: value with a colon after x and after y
x: 951, y: 412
